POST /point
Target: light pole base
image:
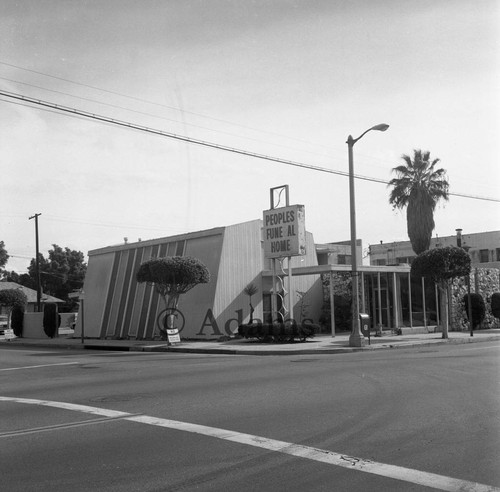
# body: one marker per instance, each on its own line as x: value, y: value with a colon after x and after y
x: 356, y: 340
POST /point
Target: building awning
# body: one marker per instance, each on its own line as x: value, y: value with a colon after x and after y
x: 320, y: 269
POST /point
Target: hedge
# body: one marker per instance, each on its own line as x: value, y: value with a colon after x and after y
x: 278, y: 332
x: 478, y: 308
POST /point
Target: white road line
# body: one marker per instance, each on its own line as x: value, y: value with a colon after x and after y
x: 439, y: 482
x: 55, y: 427
x: 36, y: 367
x: 482, y: 348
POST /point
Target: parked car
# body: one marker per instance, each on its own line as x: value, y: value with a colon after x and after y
x: 4, y: 323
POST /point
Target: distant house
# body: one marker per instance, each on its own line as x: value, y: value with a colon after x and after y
x: 30, y: 294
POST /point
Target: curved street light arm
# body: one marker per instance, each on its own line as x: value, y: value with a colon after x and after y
x: 382, y: 127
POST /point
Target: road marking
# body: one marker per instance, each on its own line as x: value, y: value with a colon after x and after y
x: 36, y: 367
x: 482, y: 348
x: 49, y: 428
x: 439, y: 482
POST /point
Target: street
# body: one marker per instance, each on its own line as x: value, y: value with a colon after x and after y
x: 391, y: 420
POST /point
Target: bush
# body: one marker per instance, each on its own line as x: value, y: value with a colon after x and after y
x: 278, y: 332
x: 51, y: 319
x: 495, y: 305
x: 478, y: 308
x: 16, y: 320
x: 342, y: 310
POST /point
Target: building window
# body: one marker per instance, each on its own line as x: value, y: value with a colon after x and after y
x: 403, y: 260
x: 343, y: 259
x: 380, y: 262
x: 498, y: 254
x: 484, y: 256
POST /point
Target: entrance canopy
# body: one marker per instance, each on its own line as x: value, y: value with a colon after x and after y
x: 385, y: 293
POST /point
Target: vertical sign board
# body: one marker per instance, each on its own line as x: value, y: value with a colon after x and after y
x: 284, y: 232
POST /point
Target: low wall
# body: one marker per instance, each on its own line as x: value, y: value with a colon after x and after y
x: 33, y: 324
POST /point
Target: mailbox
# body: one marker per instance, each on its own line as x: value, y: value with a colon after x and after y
x: 364, y: 322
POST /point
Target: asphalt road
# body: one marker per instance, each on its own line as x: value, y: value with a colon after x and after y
x: 408, y: 420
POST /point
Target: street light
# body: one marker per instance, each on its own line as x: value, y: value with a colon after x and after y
x: 356, y: 339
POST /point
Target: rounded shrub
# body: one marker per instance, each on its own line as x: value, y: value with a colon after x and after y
x: 17, y: 320
x: 51, y: 319
x: 478, y: 308
x: 495, y: 305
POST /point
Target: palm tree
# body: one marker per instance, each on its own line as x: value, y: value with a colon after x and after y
x: 419, y: 187
x: 250, y: 290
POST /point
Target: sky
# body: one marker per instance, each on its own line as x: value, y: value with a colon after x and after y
x: 283, y: 78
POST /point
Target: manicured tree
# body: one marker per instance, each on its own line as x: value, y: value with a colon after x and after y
x: 251, y: 290
x: 419, y: 187
x: 51, y: 319
x: 11, y: 298
x: 478, y: 308
x: 442, y: 265
x: 171, y: 277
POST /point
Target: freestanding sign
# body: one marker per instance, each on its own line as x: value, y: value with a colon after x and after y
x: 284, y: 232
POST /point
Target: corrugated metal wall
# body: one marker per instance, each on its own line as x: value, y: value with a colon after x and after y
x: 241, y: 263
x: 117, y: 306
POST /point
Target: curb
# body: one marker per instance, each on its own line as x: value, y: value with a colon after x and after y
x: 338, y: 350
x: 239, y: 351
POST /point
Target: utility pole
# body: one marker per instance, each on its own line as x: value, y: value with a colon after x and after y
x: 37, y: 260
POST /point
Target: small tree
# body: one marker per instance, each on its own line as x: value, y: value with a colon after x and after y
x: 17, y: 320
x: 442, y: 265
x: 10, y: 298
x: 478, y: 308
x: 251, y: 290
x: 51, y: 319
x: 171, y: 277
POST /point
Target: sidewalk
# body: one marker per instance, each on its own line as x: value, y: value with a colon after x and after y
x: 321, y: 344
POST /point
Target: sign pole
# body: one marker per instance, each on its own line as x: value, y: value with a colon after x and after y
x: 284, y: 236
x: 290, y: 290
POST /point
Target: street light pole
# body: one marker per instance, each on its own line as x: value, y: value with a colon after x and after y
x: 356, y: 339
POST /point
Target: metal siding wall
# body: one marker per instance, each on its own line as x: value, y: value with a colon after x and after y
x: 125, y: 294
x: 132, y: 289
x: 115, y: 303
x: 241, y: 263
x: 130, y: 309
x: 96, y: 287
x: 137, y: 302
x: 146, y: 301
x: 196, y: 303
x: 155, y: 300
x: 111, y: 291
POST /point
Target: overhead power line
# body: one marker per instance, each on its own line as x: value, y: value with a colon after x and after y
x: 183, y: 138
x: 148, y: 101
x: 115, y: 106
